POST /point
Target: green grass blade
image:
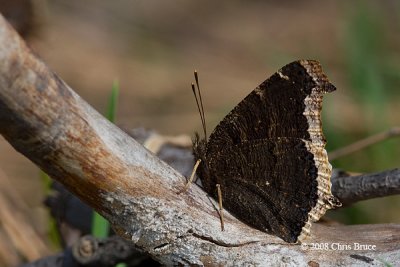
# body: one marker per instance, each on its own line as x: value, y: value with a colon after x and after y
x: 100, y: 226
x: 113, y: 101
x: 52, y: 227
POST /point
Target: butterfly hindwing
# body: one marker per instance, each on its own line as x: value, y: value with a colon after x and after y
x: 250, y: 177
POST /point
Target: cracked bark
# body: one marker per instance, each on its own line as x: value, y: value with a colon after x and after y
x: 50, y: 124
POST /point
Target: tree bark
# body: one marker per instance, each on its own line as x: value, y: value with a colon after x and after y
x: 351, y: 189
x: 51, y: 125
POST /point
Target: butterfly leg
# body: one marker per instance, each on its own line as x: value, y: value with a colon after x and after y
x: 190, y: 181
x: 220, y: 211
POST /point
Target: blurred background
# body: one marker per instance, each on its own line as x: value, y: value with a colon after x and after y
x: 152, y: 47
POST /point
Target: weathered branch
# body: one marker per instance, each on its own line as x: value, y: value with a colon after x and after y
x: 51, y: 125
x: 351, y: 189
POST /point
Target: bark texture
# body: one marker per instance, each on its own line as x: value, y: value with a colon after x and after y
x: 51, y: 125
x: 351, y: 189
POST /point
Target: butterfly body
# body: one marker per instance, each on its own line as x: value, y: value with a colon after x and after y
x: 268, y: 154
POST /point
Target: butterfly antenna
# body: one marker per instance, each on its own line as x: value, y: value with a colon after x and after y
x: 198, y: 104
x: 196, y: 77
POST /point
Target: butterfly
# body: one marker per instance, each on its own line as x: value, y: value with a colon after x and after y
x: 268, y: 154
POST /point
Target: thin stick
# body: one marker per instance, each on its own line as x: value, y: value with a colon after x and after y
x: 221, y: 214
x: 351, y: 189
x: 190, y: 181
x: 395, y: 131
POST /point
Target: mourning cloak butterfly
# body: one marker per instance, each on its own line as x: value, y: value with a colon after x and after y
x: 268, y: 154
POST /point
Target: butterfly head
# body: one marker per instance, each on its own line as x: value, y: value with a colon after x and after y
x: 200, y: 152
x: 199, y: 148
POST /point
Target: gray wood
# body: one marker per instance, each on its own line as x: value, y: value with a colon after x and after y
x: 351, y: 189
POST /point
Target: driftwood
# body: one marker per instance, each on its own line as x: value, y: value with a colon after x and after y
x: 51, y: 125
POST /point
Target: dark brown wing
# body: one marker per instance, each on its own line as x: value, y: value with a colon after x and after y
x: 277, y: 107
x: 288, y: 105
x: 254, y: 188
